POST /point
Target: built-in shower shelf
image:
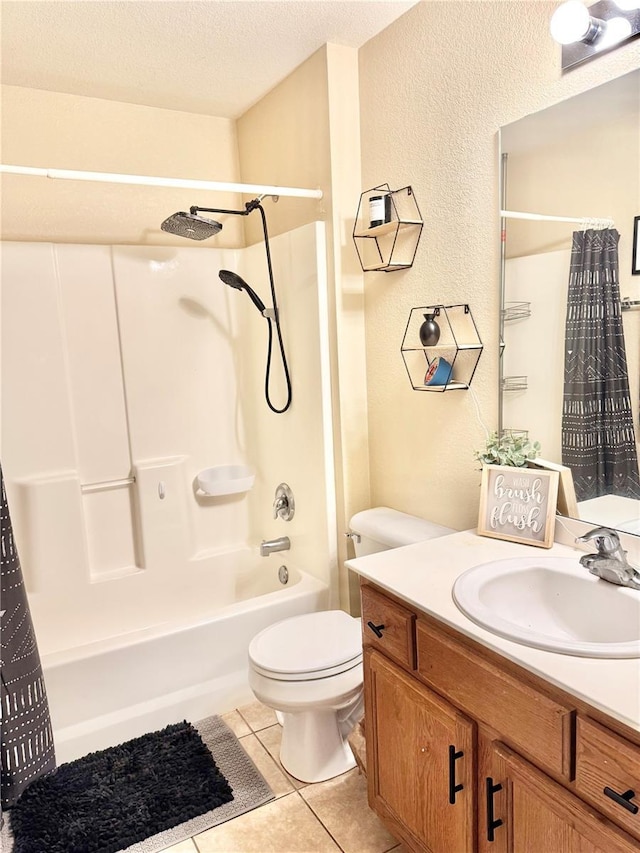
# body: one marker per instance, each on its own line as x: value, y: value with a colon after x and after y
x: 225, y: 480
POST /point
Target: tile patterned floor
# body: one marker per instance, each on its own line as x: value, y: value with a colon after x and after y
x: 326, y: 817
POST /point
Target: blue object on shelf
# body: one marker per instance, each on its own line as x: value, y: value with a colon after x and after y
x: 439, y: 372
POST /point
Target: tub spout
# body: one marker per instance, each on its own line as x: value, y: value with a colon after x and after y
x: 270, y: 546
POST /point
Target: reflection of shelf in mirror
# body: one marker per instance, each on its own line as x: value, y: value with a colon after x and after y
x: 516, y: 311
x: 516, y: 433
x: 514, y: 383
x: 387, y: 227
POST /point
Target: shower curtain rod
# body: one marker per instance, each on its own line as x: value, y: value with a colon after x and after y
x: 604, y: 221
x: 147, y: 180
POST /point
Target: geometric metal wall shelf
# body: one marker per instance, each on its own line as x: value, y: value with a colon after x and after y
x: 450, y: 363
x: 392, y: 243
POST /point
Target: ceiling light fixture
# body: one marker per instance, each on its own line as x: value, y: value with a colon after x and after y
x: 585, y: 32
x: 628, y: 5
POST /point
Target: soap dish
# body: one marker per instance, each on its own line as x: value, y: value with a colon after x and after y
x: 226, y: 480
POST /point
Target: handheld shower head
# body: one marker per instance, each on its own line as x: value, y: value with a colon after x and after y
x: 191, y: 225
x: 235, y: 281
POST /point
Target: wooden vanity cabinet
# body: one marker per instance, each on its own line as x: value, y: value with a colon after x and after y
x: 522, y: 810
x: 468, y: 752
x: 543, y: 816
x: 420, y: 759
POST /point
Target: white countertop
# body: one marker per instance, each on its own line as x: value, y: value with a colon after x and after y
x: 423, y: 575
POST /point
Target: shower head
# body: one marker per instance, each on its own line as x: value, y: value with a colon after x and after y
x: 234, y: 280
x: 191, y: 225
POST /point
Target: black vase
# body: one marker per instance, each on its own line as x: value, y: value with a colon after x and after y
x: 429, y: 331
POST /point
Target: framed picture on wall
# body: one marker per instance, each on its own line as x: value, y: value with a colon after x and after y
x: 635, y: 257
x: 518, y: 504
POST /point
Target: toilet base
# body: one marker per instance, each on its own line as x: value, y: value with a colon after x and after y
x: 324, y: 753
x: 317, y: 716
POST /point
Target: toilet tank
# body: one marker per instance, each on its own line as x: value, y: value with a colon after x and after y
x: 382, y: 528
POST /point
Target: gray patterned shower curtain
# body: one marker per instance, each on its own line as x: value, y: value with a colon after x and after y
x: 25, y: 727
x: 598, y: 438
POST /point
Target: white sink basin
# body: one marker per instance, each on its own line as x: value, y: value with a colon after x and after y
x: 552, y: 603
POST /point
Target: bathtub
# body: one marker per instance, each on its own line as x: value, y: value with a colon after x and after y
x: 109, y: 691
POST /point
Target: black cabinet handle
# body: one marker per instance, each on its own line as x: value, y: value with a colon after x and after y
x: 623, y: 800
x: 453, y: 788
x: 377, y: 629
x: 492, y: 823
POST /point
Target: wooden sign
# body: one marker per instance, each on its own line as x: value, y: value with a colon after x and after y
x: 518, y: 504
x: 567, y: 503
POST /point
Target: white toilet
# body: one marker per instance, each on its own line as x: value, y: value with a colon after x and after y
x: 309, y: 668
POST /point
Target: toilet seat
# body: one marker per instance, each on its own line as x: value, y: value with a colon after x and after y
x: 308, y: 647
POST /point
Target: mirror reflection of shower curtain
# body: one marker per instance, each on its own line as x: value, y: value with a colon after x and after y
x: 598, y: 439
x: 25, y: 726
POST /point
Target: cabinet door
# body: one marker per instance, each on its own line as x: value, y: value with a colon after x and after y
x: 544, y: 816
x: 420, y: 755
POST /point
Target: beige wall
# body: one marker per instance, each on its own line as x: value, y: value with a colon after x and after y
x: 54, y: 130
x: 284, y: 140
x: 306, y: 132
x: 434, y: 89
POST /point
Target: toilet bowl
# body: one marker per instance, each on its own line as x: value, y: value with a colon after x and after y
x: 309, y: 668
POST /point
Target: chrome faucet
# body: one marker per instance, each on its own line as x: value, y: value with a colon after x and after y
x: 270, y: 546
x: 610, y: 563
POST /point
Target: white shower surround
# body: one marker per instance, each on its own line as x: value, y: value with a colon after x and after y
x: 163, y: 380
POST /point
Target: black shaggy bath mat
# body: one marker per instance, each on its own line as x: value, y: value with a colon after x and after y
x: 110, y: 800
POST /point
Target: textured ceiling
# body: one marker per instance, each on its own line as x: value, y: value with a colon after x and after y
x: 216, y: 58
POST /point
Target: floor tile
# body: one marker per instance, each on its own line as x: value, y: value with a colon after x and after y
x: 271, y: 739
x: 267, y: 765
x: 341, y: 805
x: 258, y: 716
x: 236, y: 723
x: 184, y: 847
x: 283, y: 826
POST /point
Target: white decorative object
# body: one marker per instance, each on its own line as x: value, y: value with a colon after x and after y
x: 226, y: 479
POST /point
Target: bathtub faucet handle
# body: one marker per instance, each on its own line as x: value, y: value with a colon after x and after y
x: 284, y: 505
x: 280, y: 504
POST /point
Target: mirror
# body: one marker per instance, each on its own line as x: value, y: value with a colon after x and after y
x: 574, y: 163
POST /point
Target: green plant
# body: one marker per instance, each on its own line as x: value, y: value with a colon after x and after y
x: 508, y: 449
